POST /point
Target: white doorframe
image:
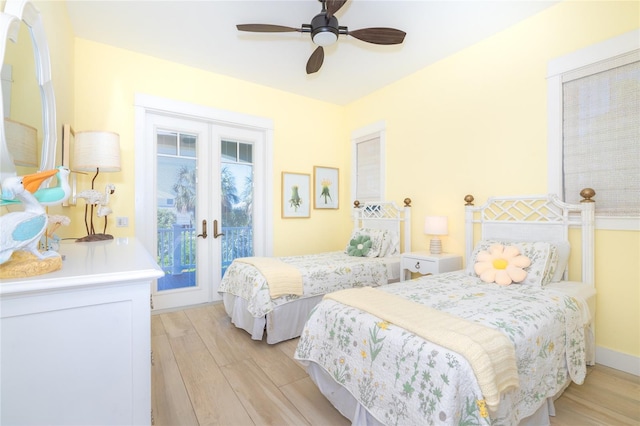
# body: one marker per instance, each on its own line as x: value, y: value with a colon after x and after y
x: 145, y: 165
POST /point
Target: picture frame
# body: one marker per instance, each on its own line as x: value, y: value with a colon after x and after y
x: 325, y: 187
x: 296, y: 197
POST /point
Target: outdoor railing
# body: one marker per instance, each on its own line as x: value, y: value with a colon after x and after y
x: 177, y: 247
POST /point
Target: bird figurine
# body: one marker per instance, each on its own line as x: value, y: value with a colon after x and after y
x: 22, y: 230
x: 57, y: 194
x: 51, y: 240
x: 96, y: 198
x: 50, y: 196
x: 104, y: 211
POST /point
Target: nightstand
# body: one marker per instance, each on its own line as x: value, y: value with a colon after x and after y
x: 425, y: 263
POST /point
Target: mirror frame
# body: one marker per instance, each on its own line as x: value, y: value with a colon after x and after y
x: 15, y: 12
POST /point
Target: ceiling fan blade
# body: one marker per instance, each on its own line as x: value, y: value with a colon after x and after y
x: 379, y: 35
x: 315, y: 60
x: 333, y: 6
x: 266, y: 28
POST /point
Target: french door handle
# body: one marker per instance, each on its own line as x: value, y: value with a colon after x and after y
x: 204, y: 229
x: 215, y: 230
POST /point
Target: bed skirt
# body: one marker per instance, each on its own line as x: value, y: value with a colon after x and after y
x: 349, y: 407
x: 283, y: 323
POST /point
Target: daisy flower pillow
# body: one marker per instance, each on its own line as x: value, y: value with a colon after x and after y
x: 501, y: 264
x: 543, y: 256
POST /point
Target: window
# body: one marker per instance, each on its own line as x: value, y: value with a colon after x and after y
x: 367, y: 166
x: 594, y: 129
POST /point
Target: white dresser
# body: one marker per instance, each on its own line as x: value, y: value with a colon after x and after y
x: 75, y: 344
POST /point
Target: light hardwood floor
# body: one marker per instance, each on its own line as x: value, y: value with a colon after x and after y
x: 207, y: 372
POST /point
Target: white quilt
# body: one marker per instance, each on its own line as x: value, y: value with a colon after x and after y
x: 404, y: 380
x: 321, y: 273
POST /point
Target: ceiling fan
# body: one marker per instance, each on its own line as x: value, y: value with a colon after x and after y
x: 325, y: 30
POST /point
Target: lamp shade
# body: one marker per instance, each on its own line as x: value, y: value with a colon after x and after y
x: 22, y: 143
x: 436, y: 225
x: 96, y: 150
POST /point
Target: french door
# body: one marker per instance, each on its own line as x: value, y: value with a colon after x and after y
x: 186, y: 201
x: 207, y: 202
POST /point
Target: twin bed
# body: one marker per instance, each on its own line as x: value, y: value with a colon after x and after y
x: 458, y: 348
x: 274, y: 296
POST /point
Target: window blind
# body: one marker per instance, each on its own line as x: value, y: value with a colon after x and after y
x: 368, y: 170
x: 601, y: 134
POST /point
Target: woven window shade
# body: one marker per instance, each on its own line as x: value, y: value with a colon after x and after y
x: 601, y: 134
x: 368, y: 170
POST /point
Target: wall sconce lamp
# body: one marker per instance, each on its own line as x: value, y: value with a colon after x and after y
x: 436, y: 225
x: 22, y: 142
x: 99, y: 152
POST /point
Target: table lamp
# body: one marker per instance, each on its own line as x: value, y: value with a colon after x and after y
x: 435, y: 226
x: 22, y: 143
x: 99, y: 152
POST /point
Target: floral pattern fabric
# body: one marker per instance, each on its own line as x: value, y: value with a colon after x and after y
x: 543, y: 257
x: 402, y: 379
x: 321, y: 274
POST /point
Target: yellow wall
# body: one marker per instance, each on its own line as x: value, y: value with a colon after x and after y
x: 107, y: 80
x: 472, y: 123
x: 476, y: 123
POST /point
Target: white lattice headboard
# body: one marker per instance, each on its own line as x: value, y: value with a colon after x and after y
x: 534, y: 218
x: 385, y: 215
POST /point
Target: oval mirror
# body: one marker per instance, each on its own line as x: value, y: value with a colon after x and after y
x: 15, y: 13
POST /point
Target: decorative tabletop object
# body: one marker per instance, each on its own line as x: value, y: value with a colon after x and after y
x: 99, y: 151
x: 21, y: 231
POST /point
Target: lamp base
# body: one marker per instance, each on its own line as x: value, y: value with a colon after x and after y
x: 94, y: 237
x: 435, y: 247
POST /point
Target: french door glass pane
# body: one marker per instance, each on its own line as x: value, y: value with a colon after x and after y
x: 176, y: 204
x: 187, y: 146
x: 167, y: 143
x: 245, y: 151
x: 229, y: 151
x: 237, y: 201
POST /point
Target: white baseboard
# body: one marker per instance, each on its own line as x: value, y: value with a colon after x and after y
x: 618, y: 360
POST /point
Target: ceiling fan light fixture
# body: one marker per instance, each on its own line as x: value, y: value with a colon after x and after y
x: 325, y: 38
x: 324, y: 31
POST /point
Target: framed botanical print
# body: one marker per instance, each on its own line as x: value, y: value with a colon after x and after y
x: 296, y: 198
x: 325, y: 187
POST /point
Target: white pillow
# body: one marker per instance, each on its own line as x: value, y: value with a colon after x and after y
x: 564, y: 250
x: 390, y: 244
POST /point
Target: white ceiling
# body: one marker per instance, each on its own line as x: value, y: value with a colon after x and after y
x: 203, y: 34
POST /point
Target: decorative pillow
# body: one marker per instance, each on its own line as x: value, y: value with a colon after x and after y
x: 543, y: 259
x: 376, y: 236
x: 563, y: 252
x: 359, y: 246
x: 390, y: 244
x: 501, y: 264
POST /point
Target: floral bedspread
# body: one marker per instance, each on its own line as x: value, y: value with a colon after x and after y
x: 404, y: 380
x: 321, y: 273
